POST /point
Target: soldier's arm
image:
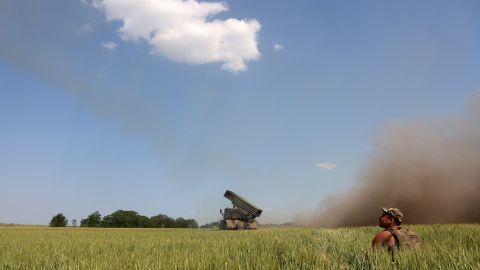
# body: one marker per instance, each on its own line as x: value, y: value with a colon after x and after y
x: 380, y: 238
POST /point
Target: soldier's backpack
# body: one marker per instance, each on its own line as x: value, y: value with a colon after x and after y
x: 405, y: 238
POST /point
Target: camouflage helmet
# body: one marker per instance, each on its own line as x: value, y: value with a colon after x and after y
x: 395, y: 213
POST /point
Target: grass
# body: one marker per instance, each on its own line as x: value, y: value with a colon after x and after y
x: 444, y: 247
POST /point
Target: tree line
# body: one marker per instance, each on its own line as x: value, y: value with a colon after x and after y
x: 211, y: 225
x: 127, y: 219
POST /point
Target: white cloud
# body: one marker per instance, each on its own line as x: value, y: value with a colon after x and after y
x: 278, y: 47
x: 109, y: 45
x: 184, y: 30
x: 326, y: 166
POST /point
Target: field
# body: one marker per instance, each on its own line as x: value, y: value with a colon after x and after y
x: 444, y: 247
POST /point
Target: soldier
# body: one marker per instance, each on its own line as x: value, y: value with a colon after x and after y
x: 390, y: 220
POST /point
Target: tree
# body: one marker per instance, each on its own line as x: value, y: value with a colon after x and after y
x: 74, y: 222
x: 192, y: 223
x: 125, y: 219
x: 211, y: 225
x: 131, y: 219
x: 93, y: 220
x: 161, y: 221
x: 58, y: 220
x: 185, y: 223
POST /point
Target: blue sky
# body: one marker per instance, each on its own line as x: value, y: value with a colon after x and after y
x: 95, y: 115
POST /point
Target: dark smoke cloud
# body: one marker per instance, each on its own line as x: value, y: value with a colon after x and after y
x: 430, y: 169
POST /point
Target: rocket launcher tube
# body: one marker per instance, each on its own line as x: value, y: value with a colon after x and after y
x: 243, y: 204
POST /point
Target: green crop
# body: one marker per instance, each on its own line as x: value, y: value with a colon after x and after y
x: 444, y: 247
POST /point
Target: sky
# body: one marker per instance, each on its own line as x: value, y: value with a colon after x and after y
x: 159, y: 106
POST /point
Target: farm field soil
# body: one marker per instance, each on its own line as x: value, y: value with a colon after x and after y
x: 444, y: 247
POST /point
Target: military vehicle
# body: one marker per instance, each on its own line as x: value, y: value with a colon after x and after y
x: 241, y: 216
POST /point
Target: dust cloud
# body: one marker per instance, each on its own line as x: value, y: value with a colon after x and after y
x: 430, y: 169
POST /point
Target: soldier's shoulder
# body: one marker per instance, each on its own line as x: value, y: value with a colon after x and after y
x: 382, y: 234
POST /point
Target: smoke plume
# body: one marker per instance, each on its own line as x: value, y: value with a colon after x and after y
x: 429, y: 169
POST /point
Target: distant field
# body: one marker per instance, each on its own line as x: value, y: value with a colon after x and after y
x: 445, y: 247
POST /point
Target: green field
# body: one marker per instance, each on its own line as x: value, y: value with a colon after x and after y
x: 444, y: 247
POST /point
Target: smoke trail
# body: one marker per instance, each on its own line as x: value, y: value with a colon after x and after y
x: 430, y: 169
x: 24, y: 44
x: 139, y: 106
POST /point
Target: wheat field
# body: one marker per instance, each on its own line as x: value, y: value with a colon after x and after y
x: 444, y: 247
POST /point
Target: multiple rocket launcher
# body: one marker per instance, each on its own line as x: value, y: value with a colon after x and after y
x: 241, y: 216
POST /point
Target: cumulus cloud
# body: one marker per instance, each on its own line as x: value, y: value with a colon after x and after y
x: 278, y: 47
x: 184, y: 30
x: 326, y: 165
x: 109, y: 45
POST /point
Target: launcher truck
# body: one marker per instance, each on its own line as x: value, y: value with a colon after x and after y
x: 241, y: 216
